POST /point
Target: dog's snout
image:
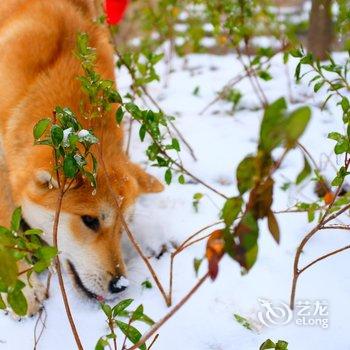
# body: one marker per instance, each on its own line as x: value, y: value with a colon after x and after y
x: 118, y: 284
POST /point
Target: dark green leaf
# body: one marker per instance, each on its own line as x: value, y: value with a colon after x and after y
x: 131, y: 333
x: 231, y: 209
x: 268, y: 344
x: 119, y: 115
x: 306, y: 171
x: 142, y: 132
x: 16, y: 219
x: 18, y: 302
x: 8, y: 269
x: 2, y: 304
x: 243, y: 321
x: 40, y: 127
x: 70, y: 167
x: 121, y: 306
x: 197, y: 264
x: 296, y: 124
x: 107, y: 310
x: 245, y: 173
x: 168, y: 176
x: 56, y: 135
x: 146, y: 284
x: 181, y: 179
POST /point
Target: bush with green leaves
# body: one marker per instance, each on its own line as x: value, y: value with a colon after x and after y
x: 26, y: 246
x: 71, y: 144
x: 116, y: 316
x: 269, y: 344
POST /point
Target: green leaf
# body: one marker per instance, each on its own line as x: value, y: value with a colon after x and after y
x: 318, y: 85
x: 70, y: 167
x: 296, y: 125
x: 32, y: 232
x: 342, y: 146
x: 272, y: 125
x: 245, y: 173
x: 121, y: 306
x: 181, y: 179
x: 56, y: 135
x: 106, y: 309
x: 282, y: 345
x: 47, y: 253
x: 142, y: 132
x: 119, y: 115
x: 18, y: 302
x: 265, y: 75
x: 297, y: 72
x: 267, y: 344
x: 131, y: 333
x: 296, y: 53
x: 345, y: 104
x: 147, y: 320
x: 101, y: 344
x: 40, y: 127
x: 175, y: 144
x: 16, y: 219
x: 8, y: 269
x: 243, y: 321
x: 251, y: 256
x: 146, y: 284
x: 273, y: 226
x: 2, y: 303
x: 339, y: 179
x: 231, y: 209
x: 197, y: 264
x: 168, y: 176
x: 335, y: 136
x: 306, y: 171
x: 138, y: 313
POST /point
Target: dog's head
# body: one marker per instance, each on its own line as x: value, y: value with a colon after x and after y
x: 90, y: 225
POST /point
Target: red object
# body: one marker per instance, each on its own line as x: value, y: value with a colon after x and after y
x: 115, y: 10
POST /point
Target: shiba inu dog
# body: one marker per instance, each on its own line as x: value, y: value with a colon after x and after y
x: 38, y: 71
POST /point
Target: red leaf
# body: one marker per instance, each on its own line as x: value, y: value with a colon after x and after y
x: 115, y: 10
x: 214, y: 252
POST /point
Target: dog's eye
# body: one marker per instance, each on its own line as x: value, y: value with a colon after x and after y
x: 91, y: 222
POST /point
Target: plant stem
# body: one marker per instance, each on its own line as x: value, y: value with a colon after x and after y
x: 324, y: 257
x: 59, y: 271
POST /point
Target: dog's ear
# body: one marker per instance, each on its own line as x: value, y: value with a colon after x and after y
x: 147, y: 183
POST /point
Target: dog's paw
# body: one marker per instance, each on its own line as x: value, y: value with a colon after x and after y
x: 35, y: 296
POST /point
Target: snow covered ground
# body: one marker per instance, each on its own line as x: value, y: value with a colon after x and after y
x: 207, y: 321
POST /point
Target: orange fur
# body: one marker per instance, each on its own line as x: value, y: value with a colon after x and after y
x: 38, y: 71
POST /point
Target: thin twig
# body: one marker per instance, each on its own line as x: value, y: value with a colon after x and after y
x: 43, y: 322
x: 336, y: 227
x: 324, y: 257
x: 153, y: 342
x: 153, y: 101
x: 184, y: 245
x: 58, y: 267
x: 326, y: 218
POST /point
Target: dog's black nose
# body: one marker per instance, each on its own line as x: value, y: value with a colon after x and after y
x: 118, y: 284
